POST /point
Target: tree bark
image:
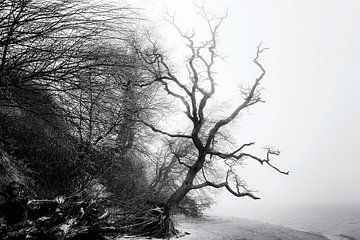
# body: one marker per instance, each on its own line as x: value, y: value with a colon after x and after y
x: 187, y: 184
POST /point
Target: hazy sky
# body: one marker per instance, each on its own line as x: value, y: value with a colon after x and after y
x: 312, y: 89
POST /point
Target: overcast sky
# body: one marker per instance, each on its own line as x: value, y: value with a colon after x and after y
x: 312, y: 89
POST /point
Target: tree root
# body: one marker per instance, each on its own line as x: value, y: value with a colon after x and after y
x: 154, y: 222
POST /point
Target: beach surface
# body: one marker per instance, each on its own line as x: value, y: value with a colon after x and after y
x: 222, y: 228
x: 228, y: 228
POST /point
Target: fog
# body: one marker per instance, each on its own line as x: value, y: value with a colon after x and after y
x: 311, y: 88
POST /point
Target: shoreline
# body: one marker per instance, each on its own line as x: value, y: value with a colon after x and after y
x: 339, y: 237
x: 232, y: 228
x: 221, y: 228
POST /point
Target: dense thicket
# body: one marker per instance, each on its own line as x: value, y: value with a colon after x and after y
x: 81, y: 106
x: 72, y: 91
x: 66, y: 73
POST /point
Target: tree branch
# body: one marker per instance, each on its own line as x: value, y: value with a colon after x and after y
x: 233, y: 155
x: 251, y: 99
x: 225, y: 184
x: 154, y: 129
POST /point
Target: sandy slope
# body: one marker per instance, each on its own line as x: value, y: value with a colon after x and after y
x: 238, y: 229
x: 226, y: 228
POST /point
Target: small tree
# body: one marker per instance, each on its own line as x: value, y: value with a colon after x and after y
x: 206, y: 135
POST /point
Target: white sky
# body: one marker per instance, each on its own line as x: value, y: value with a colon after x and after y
x: 312, y: 89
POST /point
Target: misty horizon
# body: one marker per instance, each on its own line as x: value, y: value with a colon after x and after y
x: 199, y: 120
x: 310, y: 89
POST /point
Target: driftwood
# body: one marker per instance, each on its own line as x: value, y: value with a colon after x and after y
x: 61, y: 218
x: 78, y: 217
x: 75, y: 220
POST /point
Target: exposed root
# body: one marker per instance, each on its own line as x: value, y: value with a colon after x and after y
x: 154, y: 222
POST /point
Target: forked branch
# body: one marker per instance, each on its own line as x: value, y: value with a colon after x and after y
x: 240, y: 156
x: 238, y: 185
x: 251, y: 98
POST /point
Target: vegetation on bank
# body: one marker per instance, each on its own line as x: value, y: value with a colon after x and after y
x: 82, y: 153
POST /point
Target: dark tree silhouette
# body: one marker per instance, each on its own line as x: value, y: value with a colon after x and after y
x: 66, y: 76
x: 206, y: 135
x: 46, y: 47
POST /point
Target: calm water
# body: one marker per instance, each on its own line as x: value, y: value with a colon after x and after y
x: 329, y: 221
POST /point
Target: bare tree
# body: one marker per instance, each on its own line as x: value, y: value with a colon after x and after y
x: 46, y: 46
x: 206, y: 135
x: 66, y: 66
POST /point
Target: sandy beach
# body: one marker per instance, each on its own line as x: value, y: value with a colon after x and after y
x: 239, y: 229
x: 227, y: 228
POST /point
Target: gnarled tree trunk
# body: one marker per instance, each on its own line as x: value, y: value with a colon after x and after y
x: 187, y: 184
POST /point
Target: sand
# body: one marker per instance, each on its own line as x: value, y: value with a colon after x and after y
x: 226, y: 228
x: 211, y: 228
